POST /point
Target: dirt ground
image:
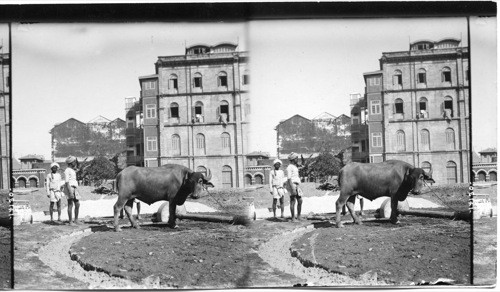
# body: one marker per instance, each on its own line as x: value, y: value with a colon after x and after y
x: 5, y: 258
x: 418, y: 250
x: 264, y: 254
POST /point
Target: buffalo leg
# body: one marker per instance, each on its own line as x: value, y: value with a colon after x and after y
x: 171, y: 214
x: 128, y: 210
x: 394, y: 211
x: 339, y: 204
x: 350, y: 205
x: 117, y: 208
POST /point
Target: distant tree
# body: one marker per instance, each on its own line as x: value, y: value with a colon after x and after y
x: 99, y: 169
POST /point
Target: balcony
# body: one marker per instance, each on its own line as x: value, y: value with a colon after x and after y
x: 358, y: 156
x: 361, y: 128
x: 132, y: 131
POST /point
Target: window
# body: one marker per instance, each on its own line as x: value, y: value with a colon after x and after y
x: 446, y: 75
x: 374, y: 81
x: 172, y: 82
x: 451, y: 172
x: 151, y: 143
x: 176, y: 145
x: 377, y: 139
x: 397, y: 79
x: 227, y: 176
x: 200, y: 144
x: 198, y: 108
x: 425, y: 139
x: 174, y: 110
x: 226, y: 143
x: 197, y: 80
x: 448, y: 106
x: 222, y: 79
x: 223, y: 112
x: 421, y: 78
x: 150, y: 111
x: 246, y: 78
x: 375, y: 107
x: 450, y: 139
x: 401, y: 141
x: 422, y: 108
x: 426, y: 166
x: 149, y: 85
x: 398, y: 106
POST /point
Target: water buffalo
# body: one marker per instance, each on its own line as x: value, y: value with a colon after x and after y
x: 170, y: 182
x: 392, y: 178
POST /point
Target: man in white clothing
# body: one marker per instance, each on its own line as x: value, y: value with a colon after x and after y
x: 293, y: 183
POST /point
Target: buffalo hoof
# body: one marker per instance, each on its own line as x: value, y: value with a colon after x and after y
x: 340, y: 225
x: 358, y: 222
x: 118, y: 229
x: 395, y: 222
x: 173, y: 226
x: 136, y: 226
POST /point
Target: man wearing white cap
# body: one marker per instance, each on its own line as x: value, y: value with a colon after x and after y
x: 70, y: 189
x: 292, y: 173
x: 54, y: 187
x: 276, y: 182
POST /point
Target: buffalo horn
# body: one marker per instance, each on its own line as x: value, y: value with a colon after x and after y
x: 209, y: 175
x: 430, y: 173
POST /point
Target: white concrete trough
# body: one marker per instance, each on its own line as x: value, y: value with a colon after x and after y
x: 481, y: 206
x: 404, y: 209
x: 22, y: 212
x: 247, y: 214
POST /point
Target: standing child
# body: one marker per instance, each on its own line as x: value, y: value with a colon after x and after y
x: 293, y: 183
x: 71, y: 189
x: 54, y: 190
x: 276, y: 182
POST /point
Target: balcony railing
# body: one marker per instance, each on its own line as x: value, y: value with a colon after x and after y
x: 135, y: 159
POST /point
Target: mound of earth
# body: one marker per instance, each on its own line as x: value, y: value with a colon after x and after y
x: 419, y: 249
x: 198, y: 255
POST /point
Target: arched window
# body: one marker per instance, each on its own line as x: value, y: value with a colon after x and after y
x: 198, y: 112
x: 398, y: 106
x: 197, y: 80
x: 174, y: 110
x: 446, y: 75
x: 481, y: 176
x: 397, y: 78
x: 226, y: 143
x: 259, y: 179
x: 447, y: 107
x: 227, y: 176
x: 451, y: 172
x: 200, y: 144
x: 222, y: 79
x: 425, y: 140
x: 421, y: 77
x: 422, y: 108
x: 401, y: 141
x: 172, y: 82
x: 493, y: 176
x: 202, y: 169
x: 223, y: 112
x: 450, y: 139
x: 176, y: 145
x: 21, y: 182
x: 426, y: 166
x: 248, y: 180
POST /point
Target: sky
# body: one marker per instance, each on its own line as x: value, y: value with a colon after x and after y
x: 301, y: 67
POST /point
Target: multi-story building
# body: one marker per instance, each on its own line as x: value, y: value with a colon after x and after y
x: 484, y: 165
x: 359, y: 128
x: 419, y: 108
x: 196, y: 111
x: 310, y: 137
x: 99, y: 136
x: 4, y: 120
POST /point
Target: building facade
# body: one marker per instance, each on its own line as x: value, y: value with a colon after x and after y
x: 359, y: 128
x: 99, y: 136
x: 195, y: 112
x: 484, y: 166
x: 418, y: 108
x: 5, y: 121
